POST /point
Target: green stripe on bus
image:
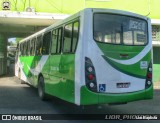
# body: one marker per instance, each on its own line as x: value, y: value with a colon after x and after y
x: 127, y: 69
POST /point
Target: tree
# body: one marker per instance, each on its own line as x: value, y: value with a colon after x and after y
x: 18, y: 40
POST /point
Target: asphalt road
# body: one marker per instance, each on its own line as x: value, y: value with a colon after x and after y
x: 16, y: 98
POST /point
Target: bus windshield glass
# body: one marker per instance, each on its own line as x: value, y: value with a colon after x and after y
x: 119, y: 29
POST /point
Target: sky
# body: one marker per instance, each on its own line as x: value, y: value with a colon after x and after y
x: 13, y: 40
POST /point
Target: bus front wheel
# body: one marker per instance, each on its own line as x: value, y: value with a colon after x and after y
x: 41, y: 89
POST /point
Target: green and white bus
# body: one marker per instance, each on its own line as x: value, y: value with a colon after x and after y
x: 95, y: 56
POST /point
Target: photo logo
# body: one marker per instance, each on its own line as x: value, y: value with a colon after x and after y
x: 6, y: 117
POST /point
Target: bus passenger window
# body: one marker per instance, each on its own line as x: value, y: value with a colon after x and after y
x: 54, y: 41
x: 75, y: 36
x: 28, y: 48
x: 33, y: 46
x: 24, y: 49
x: 46, y: 43
x: 39, y: 45
x: 67, y: 38
x: 59, y: 40
x: 20, y: 50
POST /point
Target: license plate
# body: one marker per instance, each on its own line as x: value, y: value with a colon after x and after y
x: 123, y: 85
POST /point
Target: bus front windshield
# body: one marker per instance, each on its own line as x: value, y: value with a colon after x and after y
x: 119, y: 29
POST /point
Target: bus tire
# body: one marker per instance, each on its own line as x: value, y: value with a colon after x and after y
x: 41, y: 89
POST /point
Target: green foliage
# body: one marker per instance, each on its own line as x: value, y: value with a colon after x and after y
x: 18, y: 40
x: 156, y: 71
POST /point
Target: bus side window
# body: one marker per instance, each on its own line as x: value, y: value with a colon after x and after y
x: 67, y: 38
x: 32, y: 47
x: 24, y: 48
x: 21, y: 49
x: 75, y: 35
x: 59, y: 40
x: 46, y: 43
x: 54, y: 41
x: 18, y: 49
x: 35, y: 39
x: 28, y: 48
x: 39, y: 45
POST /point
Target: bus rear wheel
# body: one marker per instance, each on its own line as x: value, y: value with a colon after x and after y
x: 41, y: 89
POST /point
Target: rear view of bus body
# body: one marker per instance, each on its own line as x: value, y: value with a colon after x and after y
x: 117, y: 58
